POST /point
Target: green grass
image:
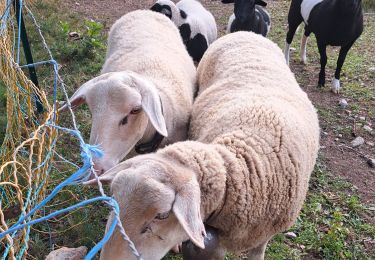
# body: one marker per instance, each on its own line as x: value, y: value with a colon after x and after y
x: 331, y: 224
x: 368, y: 5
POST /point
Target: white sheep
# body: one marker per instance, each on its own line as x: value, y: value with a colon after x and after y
x: 256, y: 138
x: 144, y: 95
x: 196, y: 24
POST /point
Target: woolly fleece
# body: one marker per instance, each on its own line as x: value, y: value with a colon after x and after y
x: 148, y: 43
x: 257, y: 139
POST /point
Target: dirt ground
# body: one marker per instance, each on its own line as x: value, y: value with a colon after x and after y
x: 339, y: 157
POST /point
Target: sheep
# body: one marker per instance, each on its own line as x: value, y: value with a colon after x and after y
x: 249, y: 16
x: 142, y: 100
x: 196, y: 24
x: 334, y: 22
x: 254, y: 141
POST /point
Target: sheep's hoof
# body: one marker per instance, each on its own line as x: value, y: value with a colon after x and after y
x: 335, y: 88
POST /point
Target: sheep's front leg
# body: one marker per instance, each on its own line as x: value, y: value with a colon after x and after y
x: 257, y: 253
x: 340, y: 61
x: 323, y: 62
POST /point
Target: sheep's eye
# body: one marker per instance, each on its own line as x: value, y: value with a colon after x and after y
x: 162, y: 216
x: 124, y: 121
x: 136, y: 110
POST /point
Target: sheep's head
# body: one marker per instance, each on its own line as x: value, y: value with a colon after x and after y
x: 244, y: 9
x: 166, y: 7
x: 122, y: 105
x: 159, y: 207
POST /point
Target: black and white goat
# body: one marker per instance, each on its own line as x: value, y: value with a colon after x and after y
x: 249, y: 16
x: 334, y: 22
x: 196, y: 24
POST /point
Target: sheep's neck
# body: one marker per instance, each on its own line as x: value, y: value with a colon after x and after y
x: 209, y: 164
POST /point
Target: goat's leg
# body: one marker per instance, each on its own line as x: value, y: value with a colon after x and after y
x: 289, y: 38
x: 340, y: 61
x: 257, y: 253
x: 304, y: 44
x: 323, y: 62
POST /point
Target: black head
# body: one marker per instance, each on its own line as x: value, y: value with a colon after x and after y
x: 164, y: 9
x: 244, y: 9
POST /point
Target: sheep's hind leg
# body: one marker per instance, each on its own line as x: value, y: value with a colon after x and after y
x: 304, y: 45
x: 257, y: 253
x: 294, y: 20
x: 340, y: 61
x: 323, y: 62
x: 289, y: 38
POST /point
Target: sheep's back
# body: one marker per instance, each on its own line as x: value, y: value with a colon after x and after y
x: 250, y: 102
x: 149, y: 43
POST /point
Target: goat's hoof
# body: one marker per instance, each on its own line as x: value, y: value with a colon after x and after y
x: 320, y: 85
x: 304, y: 60
x: 335, y: 88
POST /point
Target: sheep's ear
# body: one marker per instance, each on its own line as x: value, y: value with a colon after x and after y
x: 227, y: 1
x: 151, y: 103
x: 78, y: 98
x: 186, y: 208
x: 260, y: 2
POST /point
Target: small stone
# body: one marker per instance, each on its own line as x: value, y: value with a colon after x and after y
x: 343, y: 103
x: 362, y: 118
x: 290, y: 235
x: 302, y: 247
x: 336, y: 139
x: 292, y: 48
x: 370, y: 143
x: 372, y: 69
x: 371, y: 208
x: 68, y: 253
x: 371, y: 162
x: 367, y: 128
x: 358, y: 142
x: 77, y: 4
x: 339, y: 135
x: 325, y: 133
x: 74, y: 36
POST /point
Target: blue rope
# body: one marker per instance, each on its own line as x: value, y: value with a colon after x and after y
x: 81, y: 175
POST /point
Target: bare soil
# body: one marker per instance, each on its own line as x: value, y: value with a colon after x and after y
x: 336, y: 152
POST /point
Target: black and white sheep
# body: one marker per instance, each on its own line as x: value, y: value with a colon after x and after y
x: 249, y: 16
x: 197, y: 25
x: 334, y: 22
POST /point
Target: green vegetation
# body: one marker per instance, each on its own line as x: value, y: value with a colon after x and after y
x: 368, y: 5
x: 331, y: 225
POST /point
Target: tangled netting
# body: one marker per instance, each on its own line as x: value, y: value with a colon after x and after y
x: 28, y: 151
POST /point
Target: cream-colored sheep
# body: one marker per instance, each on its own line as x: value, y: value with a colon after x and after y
x: 145, y: 90
x: 256, y: 138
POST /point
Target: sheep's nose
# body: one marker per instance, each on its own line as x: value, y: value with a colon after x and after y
x: 98, y: 168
